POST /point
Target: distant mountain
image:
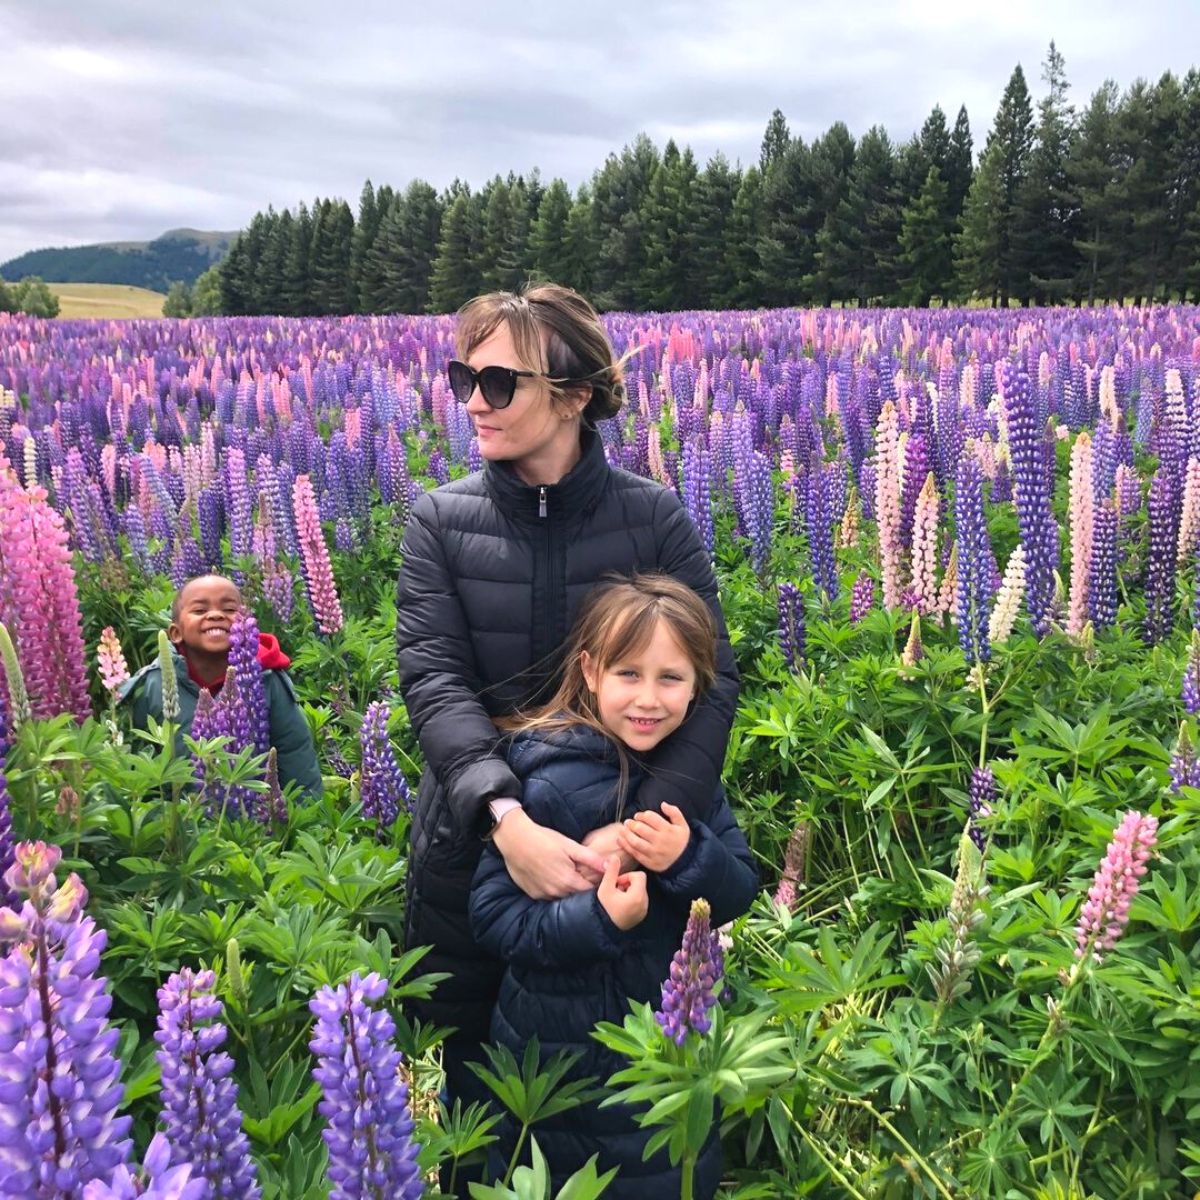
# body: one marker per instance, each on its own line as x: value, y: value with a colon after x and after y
x: 177, y: 254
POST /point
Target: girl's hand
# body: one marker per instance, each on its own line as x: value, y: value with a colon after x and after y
x: 605, y: 841
x: 656, y: 841
x: 545, y: 864
x: 623, y: 897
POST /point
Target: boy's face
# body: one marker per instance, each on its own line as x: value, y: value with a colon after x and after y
x: 207, y: 607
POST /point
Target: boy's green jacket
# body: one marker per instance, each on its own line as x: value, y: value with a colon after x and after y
x: 290, y: 734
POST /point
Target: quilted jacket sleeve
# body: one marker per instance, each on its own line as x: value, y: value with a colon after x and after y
x: 439, y: 681
x: 547, y: 934
x: 686, y: 768
x: 717, y: 865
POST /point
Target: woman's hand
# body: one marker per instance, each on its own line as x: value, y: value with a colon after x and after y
x: 623, y: 897
x: 605, y: 841
x: 544, y: 864
x: 654, y: 842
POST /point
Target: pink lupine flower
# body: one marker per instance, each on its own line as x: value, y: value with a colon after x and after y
x: 1106, y: 910
x: 1189, y: 517
x: 113, y: 669
x: 1082, y: 508
x: 314, y: 558
x: 887, y: 505
x: 925, y: 548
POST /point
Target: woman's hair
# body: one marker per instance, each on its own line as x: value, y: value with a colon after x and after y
x: 617, y: 620
x: 557, y: 333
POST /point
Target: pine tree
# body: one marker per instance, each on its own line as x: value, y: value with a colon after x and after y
x: 1012, y: 135
x: 959, y: 168
x: 1091, y: 171
x: 1183, y: 188
x: 456, y: 276
x: 296, y: 292
x: 272, y: 269
x: 977, y: 249
x: 667, y: 218
x: 333, y: 236
x: 548, y: 237
x: 618, y: 191
x: 716, y: 187
x: 1047, y: 226
x: 775, y: 142
x: 927, y: 264
x: 579, y: 249
x: 743, y: 264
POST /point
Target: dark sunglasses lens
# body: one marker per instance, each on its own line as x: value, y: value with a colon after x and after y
x: 461, y: 382
x: 497, y: 385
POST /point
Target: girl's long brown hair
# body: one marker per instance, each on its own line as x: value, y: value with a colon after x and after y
x: 617, y: 620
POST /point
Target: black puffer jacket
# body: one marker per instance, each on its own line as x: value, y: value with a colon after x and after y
x: 569, y: 967
x: 493, y: 573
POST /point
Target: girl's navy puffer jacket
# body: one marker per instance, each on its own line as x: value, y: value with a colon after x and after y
x: 569, y: 967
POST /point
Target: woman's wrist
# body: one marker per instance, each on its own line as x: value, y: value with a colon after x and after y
x: 508, y: 821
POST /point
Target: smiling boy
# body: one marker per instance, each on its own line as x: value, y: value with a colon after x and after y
x: 201, y: 617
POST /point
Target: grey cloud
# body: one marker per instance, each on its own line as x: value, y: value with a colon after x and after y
x: 139, y: 115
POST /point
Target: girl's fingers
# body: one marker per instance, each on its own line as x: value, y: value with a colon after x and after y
x: 653, y: 819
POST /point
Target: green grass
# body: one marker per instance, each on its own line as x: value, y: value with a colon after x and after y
x: 106, y: 300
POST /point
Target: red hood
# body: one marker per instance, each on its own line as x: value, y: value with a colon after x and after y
x: 270, y: 656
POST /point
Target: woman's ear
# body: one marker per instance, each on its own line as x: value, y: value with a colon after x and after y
x: 587, y: 667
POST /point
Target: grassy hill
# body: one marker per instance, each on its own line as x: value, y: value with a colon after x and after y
x: 177, y: 254
x: 106, y: 300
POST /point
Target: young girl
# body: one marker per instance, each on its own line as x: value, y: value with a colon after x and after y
x: 642, y: 651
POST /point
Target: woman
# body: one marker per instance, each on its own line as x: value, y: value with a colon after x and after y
x: 494, y: 567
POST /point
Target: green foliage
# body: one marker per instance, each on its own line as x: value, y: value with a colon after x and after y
x: 179, y: 300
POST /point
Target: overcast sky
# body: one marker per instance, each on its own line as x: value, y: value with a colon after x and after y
x: 120, y: 119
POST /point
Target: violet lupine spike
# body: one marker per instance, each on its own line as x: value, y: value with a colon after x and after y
x: 1033, y: 486
x: 819, y: 517
x: 314, y: 558
x: 381, y: 782
x: 974, y: 576
x: 200, y: 1114
x: 862, y: 597
x: 981, y: 795
x: 157, y: 1179
x: 1102, y: 587
x: 690, y: 991
x: 1105, y: 913
x: 1191, y: 675
x: 369, y: 1129
x: 243, y: 657
x: 1184, y: 767
x: 1163, y: 522
x: 697, y: 491
x: 59, y: 1126
x: 792, y: 629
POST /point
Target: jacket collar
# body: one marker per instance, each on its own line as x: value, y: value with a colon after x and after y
x: 576, y: 492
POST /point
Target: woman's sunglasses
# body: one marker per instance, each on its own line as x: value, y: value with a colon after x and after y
x: 498, y: 385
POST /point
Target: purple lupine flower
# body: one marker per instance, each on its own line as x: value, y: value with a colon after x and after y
x: 792, y: 629
x: 243, y: 658
x: 208, y: 510
x: 1163, y: 520
x: 200, y: 1113
x: 916, y: 468
x: 1191, y: 675
x: 158, y: 1179
x: 238, y: 507
x: 61, y: 1089
x: 759, y: 500
x: 981, y: 794
x: 381, y: 782
x: 819, y: 519
x: 1184, y: 766
x: 238, y: 723
x: 697, y: 491
x: 1105, y: 913
x: 1033, y: 476
x: 1102, y: 585
x: 369, y: 1129
x: 689, y: 992
x: 862, y: 597
x: 974, y: 574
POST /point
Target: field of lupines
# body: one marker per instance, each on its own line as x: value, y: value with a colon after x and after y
x: 958, y: 558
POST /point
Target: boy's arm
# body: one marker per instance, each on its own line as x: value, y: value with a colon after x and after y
x: 141, y: 693
x: 716, y: 865
x: 685, y: 769
x: 296, y: 756
x: 545, y: 934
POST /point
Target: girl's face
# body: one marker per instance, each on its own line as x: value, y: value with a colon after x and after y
x: 643, y: 697
x: 533, y: 434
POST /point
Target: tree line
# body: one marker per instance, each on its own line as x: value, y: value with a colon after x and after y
x: 1061, y: 206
